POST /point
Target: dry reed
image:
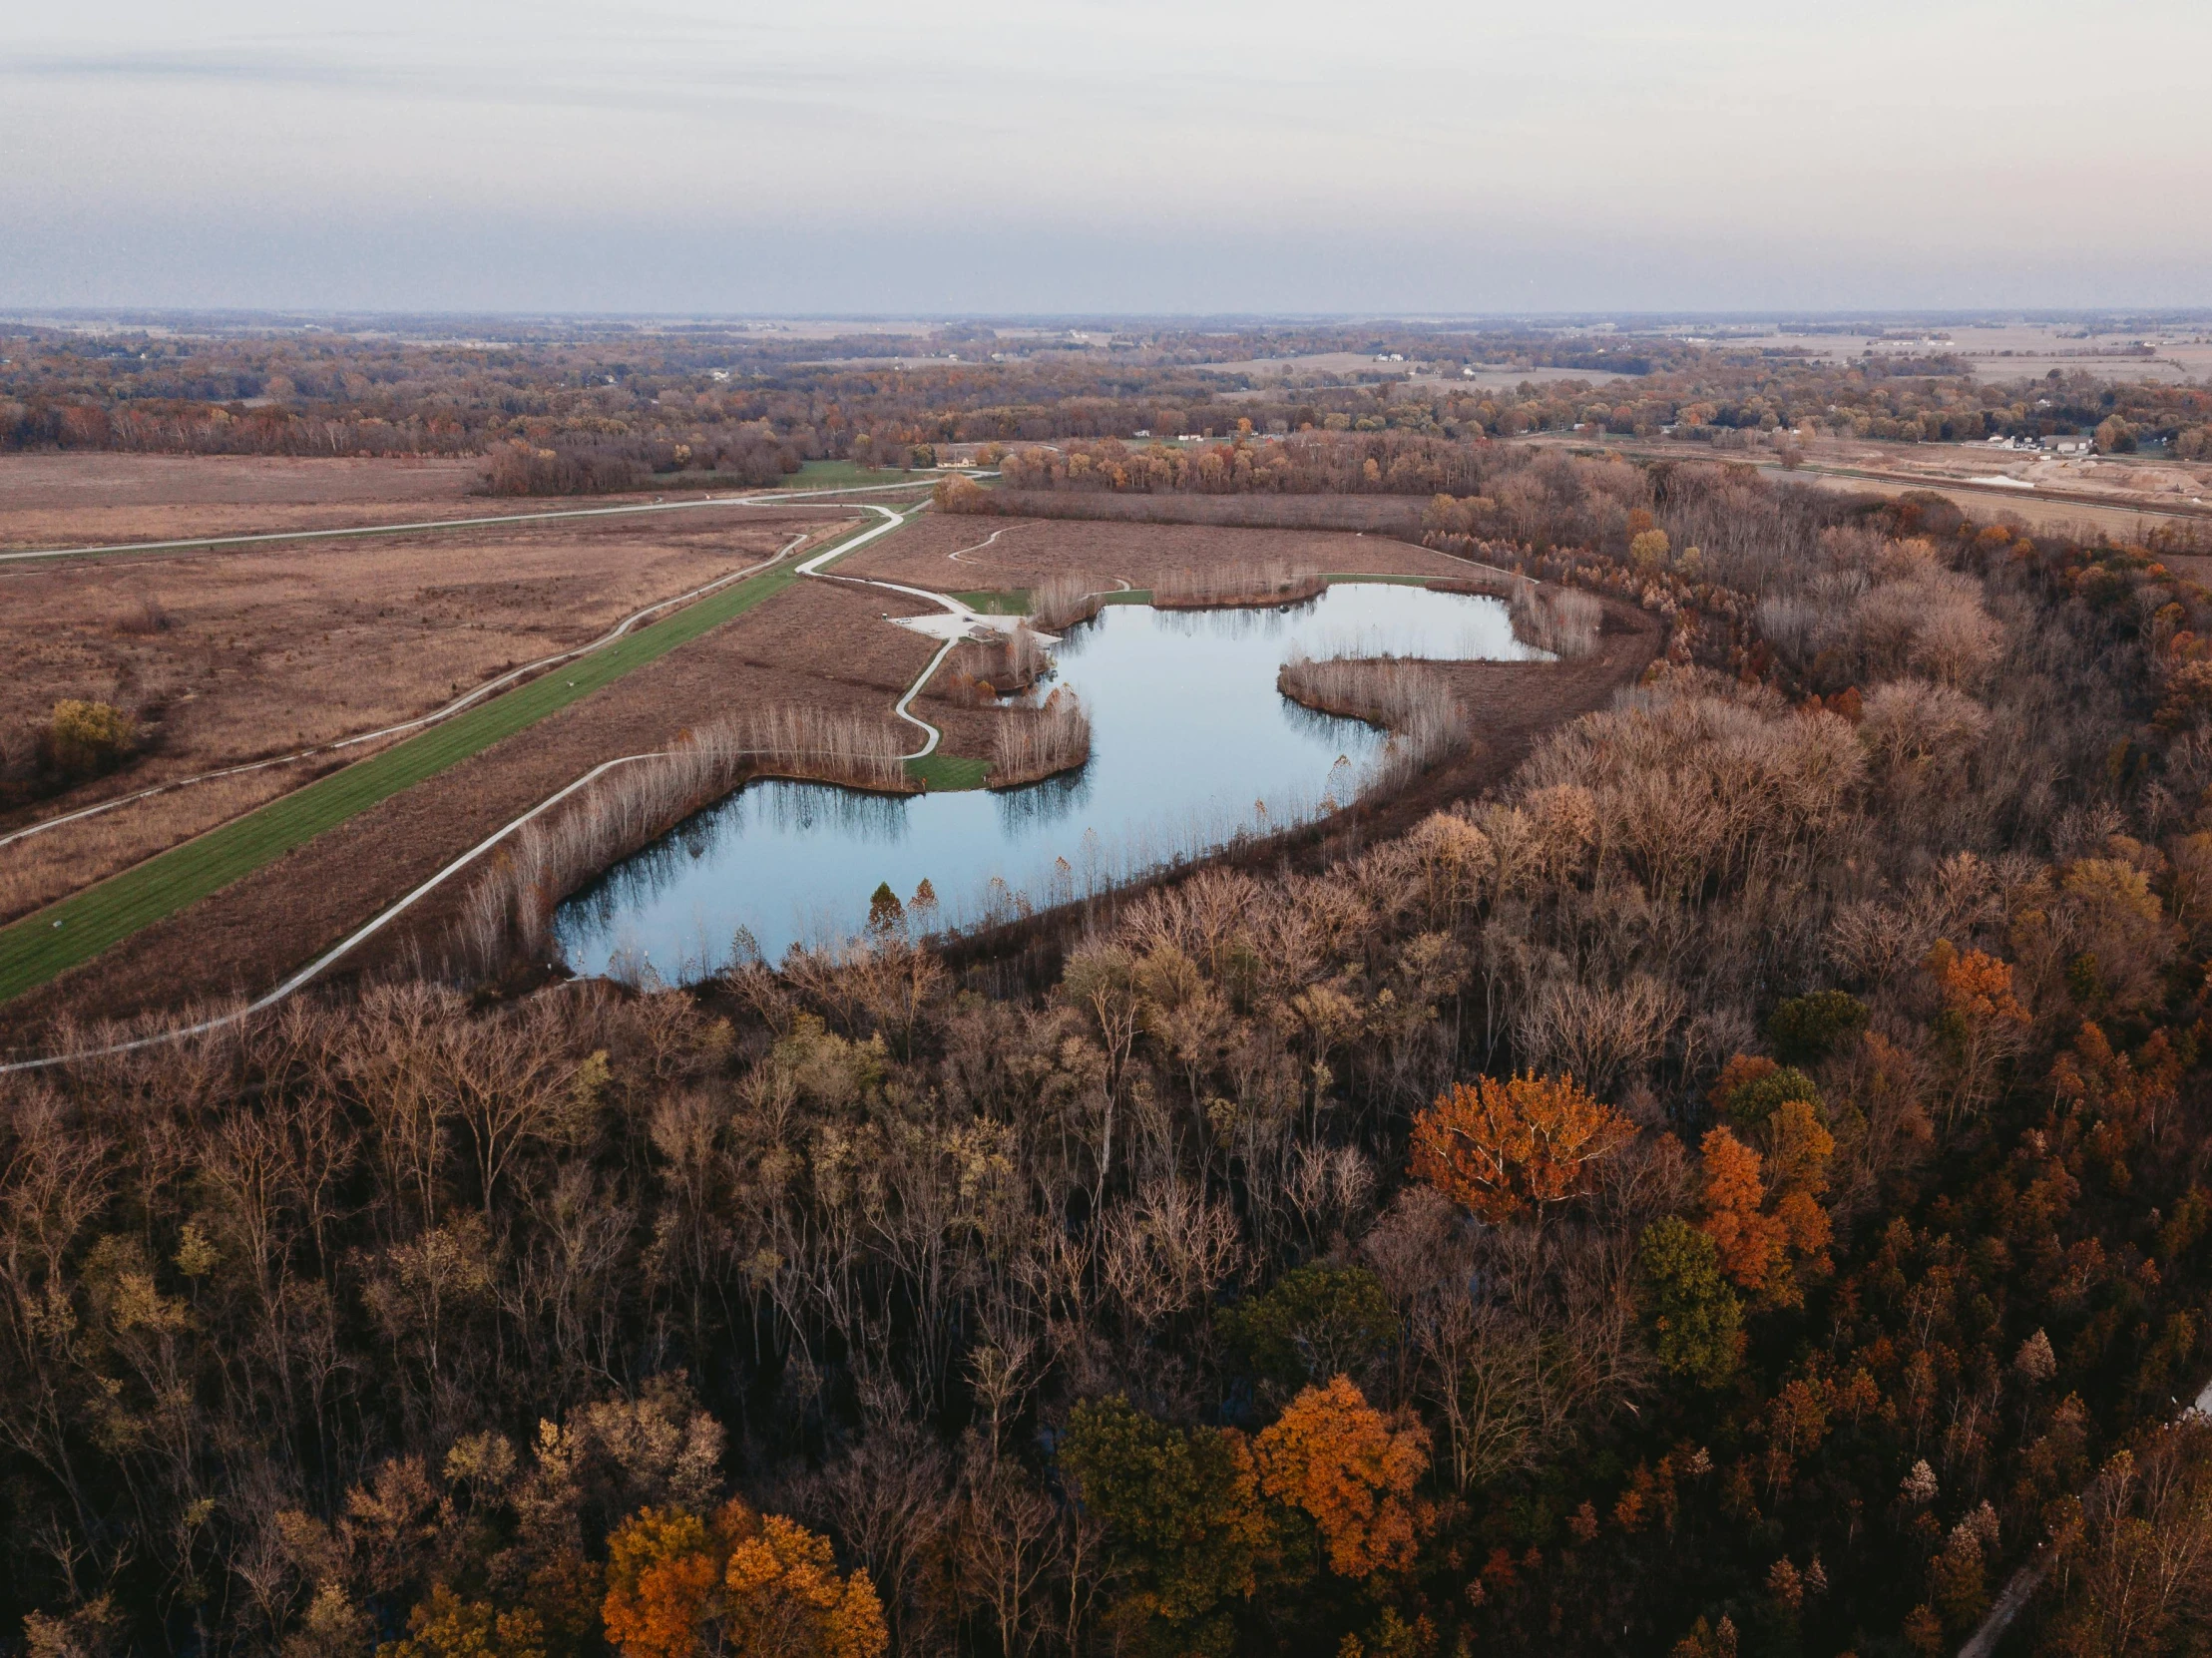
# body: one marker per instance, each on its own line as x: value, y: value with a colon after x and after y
x: 1007, y: 663
x: 1408, y: 699
x: 979, y: 671
x: 1057, y: 603
x: 511, y: 907
x: 1026, y: 660
x: 1562, y: 621
x: 1236, y: 581
x: 1031, y: 744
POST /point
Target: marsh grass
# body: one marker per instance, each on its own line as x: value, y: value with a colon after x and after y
x: 1031, y: 744
x: 42, y: 868
x: 1408, y: 699
x: 1562, y: 621
x: 509, y: 908
x: 1236, y: 581
x: 1057, y: 603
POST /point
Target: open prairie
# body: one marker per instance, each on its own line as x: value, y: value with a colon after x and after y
x: 83, y: 498
x: 958, y: 553
x: 2010, y: 351
x: 226, y: 658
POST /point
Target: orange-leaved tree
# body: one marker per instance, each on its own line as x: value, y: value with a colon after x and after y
x: 1750, y: 1240
x: 740, y: 1583
x: 1505, y: 1149
x: 663, y: 1584
x: 1350, y: 1470
x: 446, y: 1626
x: 1983, y: 1021
x: 1764, y: 1213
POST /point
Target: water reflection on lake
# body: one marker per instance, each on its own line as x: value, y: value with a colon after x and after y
x: 1191, y: 745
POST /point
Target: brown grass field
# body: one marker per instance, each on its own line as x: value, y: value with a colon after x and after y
x: 818, y: 646
x: 1027, y: 550
x: 81, y: 499
x: 1385, y: 515
x: 230, y: 656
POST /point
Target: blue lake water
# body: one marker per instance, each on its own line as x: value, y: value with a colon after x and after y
x: 1191, y: 747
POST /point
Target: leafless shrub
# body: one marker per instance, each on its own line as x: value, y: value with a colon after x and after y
x: 1236, y: 581
x: 1057, y: 603
x: 1009, y: 661
x: 1930, y: 620
x: 1030, y: 745
x: 1889, y: 607
x: 1923, y: 729
x: 1689, y: 786
x: 1384, y: 515
x: 1562, y: 621
x: 1957, y: 641
x: 1607, y: 1036
x: 1026, y: 660
x: 1875, y: 940
x: 635, y: 804
x: 1166, y: 1248
x: 1408, y: 699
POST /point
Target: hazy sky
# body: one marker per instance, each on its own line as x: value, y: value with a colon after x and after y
x: 1047, y: 156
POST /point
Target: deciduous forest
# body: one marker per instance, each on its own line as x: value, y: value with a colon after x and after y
x: 1741, y: 1188
x: 623, y: 408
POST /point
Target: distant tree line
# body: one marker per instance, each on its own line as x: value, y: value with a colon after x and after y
x: 645, y: 396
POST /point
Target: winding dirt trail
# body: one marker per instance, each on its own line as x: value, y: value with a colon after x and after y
x: 959, y: 617
x: 964, y: 619
x: 889, y: 520
x: 958, y: 557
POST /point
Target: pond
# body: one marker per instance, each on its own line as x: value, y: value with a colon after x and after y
x: 1191, y: 747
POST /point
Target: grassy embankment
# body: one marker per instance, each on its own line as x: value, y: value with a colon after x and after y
x: 942, y: 773
x: 49, y: 942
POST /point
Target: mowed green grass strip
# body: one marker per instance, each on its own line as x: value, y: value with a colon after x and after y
x: 59, y: 937
x: 942, y: 773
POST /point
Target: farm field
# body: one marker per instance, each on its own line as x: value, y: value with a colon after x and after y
x: 226, y: 658
x: 2118, y: 495
x: 2129, y: 478
x: 2000, y: 352
x: 1272, y: 374
x: 2126, y: 523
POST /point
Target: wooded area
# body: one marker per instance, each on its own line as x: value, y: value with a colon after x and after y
x: 1740, y: 1189
x: 586, y: 415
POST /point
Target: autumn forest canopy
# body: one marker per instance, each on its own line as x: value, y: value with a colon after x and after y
x: 1743, y: 1185
x: 590, y: 411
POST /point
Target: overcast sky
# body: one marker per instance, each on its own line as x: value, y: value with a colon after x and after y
x: 1142, y: 156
